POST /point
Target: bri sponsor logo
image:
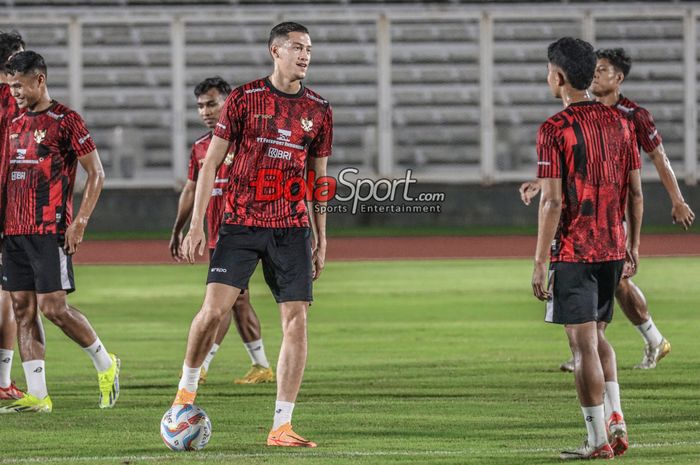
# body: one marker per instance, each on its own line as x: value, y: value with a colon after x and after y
x: 273, y: 152
x: 219, y: 270
x: 19, y: 175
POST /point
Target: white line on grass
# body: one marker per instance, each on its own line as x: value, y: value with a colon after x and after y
x: 202, y: 456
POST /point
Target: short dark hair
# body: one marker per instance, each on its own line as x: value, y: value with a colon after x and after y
x: 209, y: 83
x: 283, y: 30
x: 10, y: 42
x: 617, y: 57
x: 576, y: 58
x: 26, y: 62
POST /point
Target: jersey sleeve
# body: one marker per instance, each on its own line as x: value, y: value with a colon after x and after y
x: 548, y: 151
x: 645, y: 129
x: 76, y: 135
x: 193, y: 167
x: 322, y: 145
x: 230, y: 122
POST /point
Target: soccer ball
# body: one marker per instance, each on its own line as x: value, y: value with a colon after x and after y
x: 185, y: 427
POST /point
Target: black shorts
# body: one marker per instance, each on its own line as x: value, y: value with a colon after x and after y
x: 285, y: 254
x: 36, y: 262
x: 582, y: 292
x: 211, y: 254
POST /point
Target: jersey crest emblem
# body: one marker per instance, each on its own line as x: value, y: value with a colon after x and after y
x: 39, y: 135
x: 229, y: 159
x: 307, y: 124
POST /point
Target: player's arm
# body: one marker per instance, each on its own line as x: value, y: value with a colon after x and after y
x: 184, y: 209
x: 91, y: 192
x: 547, y: 222
x: 205, y: 183
x: 680, y: 211
x: 528, y: 191
x: 635, y: 211
x: 318, y: 211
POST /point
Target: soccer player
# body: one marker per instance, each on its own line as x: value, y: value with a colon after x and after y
x: 11, y: 43
x: 588, y: 162
x: 612, y: 68
x: 46, y: 143
x: 278, y: 127
x: 211, y: 94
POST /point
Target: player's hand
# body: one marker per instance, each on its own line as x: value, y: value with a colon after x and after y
x: 74, y: 236
x: 539, y: 282
x: 175, y: 246
x: 528, y: 191
x: 683, y: 215
x: 319, y: 258
x: 631, y: 263
x: 194, y: 240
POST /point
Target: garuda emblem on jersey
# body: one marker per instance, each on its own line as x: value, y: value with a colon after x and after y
x: 307, y: 124
x: 229, y: 159
x: 39, y: 135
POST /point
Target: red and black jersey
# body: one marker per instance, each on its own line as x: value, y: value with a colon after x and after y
x: 273, y: 134
x: 648, y: 136
x: 44, y: 148
x: 215, y: 210
x: 592, y: 148
x: 8, y: 110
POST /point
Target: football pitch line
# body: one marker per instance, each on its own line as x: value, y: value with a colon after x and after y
x: 202, y: 456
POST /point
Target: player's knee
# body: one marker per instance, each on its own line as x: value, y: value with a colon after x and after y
x: 54, y: 309
x: 294, y: 316
x: 213, y: 311
x: 22, y: 307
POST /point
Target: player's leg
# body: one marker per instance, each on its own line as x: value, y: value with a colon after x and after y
x: 77, y: 327
x: 221, y: 332
x: 248, y: 326
x: 53, y: 275
x: 288, y: 271
x: 32, y: 347
x: 218, y: 301
x: 8, y: 336
x: 231, y: 266
x: 634, y: 305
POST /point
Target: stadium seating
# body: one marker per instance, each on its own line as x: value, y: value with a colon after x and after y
x: 435, y: 79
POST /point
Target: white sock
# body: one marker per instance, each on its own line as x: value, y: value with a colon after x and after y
x: 256, y: 350
x: 5, y: 367
x: 35, y: 373
x: 650, y: 333
x: 210, y: 356
x: 595, y: 424
x: 612, y: 399
x: 283, y: 413
x: 99, y: 355
x: 190, y: 378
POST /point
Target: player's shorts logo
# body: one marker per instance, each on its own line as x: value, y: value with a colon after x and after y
x: 39, y: 135
x: 307, y: 124
x: 218, y: 270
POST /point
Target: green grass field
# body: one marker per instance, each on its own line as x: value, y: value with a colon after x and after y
x: 430, y: 362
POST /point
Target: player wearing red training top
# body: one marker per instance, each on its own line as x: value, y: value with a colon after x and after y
x: 11, y: 43
x: 47, y: 142
x: 278, y: 128
x: 588, y: 163
x: 211, y: 94
x: 612, y: 68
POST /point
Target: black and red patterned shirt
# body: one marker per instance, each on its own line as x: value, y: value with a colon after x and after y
x: 43, y: 155
x: 648, y: 136
x: 592, y: 148
x: 8, y: 110
x: 215, y: 210
x: 273, y: 134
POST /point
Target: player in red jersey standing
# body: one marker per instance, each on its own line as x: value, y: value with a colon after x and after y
x: 211, y: 94
x: 278, y: 128
x: 11, y: 43
x: 47, y: 142
x: 612, y: 68
x: 587, y: 165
